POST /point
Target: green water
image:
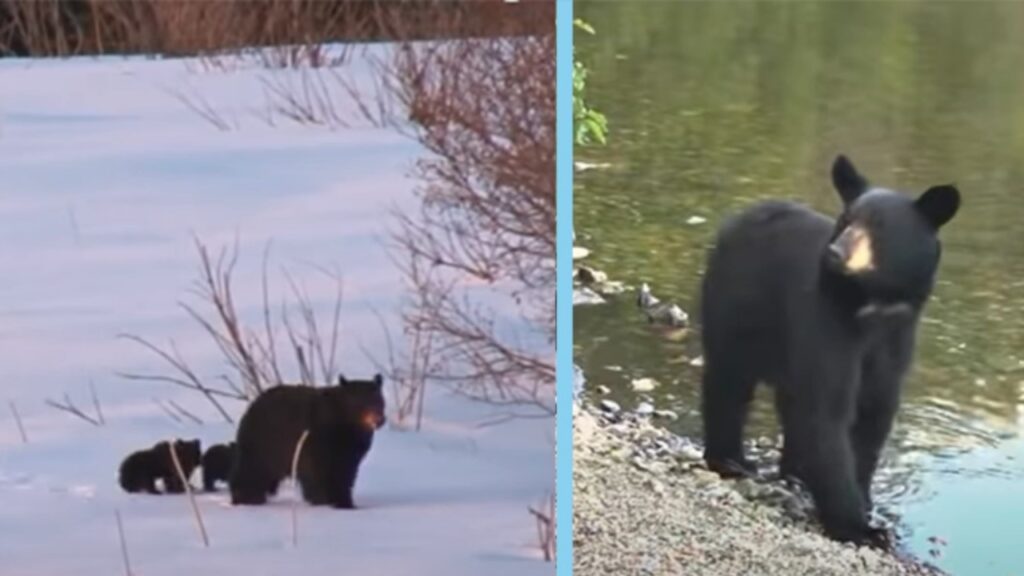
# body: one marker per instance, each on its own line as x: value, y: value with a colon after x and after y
x: 713, y: 105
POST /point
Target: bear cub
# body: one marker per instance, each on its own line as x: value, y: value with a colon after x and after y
x: 217, y: 462
x: 825, y: 311
x: 140, y: 470
x: 341, y: 421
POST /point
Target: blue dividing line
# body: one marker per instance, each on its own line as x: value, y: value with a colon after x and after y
x: 563, y: 340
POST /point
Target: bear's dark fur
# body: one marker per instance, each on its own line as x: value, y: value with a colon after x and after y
x: 825, y: 311
x: 140, y: 470
x: 217, y: 462
x: 341, y: 421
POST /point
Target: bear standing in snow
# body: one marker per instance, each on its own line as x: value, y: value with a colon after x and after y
x: 341, y: 421
x: 825, y: 311
x: 216, y: 464
x: 140, y: 470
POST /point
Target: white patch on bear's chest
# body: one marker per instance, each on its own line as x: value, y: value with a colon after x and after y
x: 860, y: 257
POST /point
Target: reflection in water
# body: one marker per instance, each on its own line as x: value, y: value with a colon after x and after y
x: 715, y: 105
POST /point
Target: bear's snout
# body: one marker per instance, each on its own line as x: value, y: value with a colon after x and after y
x: 373, y: 420
x: 851, y: 251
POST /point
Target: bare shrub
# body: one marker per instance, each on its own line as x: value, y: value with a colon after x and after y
x: 479, y: 254
x: 406, y: 368
x: 250, y: 350
x: 297, y: 30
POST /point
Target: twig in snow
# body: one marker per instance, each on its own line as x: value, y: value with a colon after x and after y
x: 124, y: 545
x: 295, y: 482
x: 188, y: 491
x: 545, y: 519
x: 17, y: 419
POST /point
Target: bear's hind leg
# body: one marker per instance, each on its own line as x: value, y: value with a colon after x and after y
x: 726, y: 395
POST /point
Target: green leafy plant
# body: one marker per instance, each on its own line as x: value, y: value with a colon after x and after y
x: 589, y: 125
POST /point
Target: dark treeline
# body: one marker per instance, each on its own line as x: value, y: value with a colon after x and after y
x: 190, y: 27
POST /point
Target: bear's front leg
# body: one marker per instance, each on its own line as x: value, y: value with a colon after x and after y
x: 342, y: 482
x: 818, y: 407
x: 173, y: 485
x: 877, y: 404
x: 827, y: 468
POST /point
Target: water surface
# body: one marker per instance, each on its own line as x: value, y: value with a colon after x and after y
x: 715, y: 105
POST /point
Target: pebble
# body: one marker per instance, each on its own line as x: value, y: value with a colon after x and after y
x: 697, y: 362
x: 692, y: 220
x: 610, y: 287
x: 666, y: 415
x: 644, y: 409
x: 579, y: 252
x: 585, y: 296
x: 644, y: 384
x: 588, y: 275
x: 610, y: 406
x: 602, y: 389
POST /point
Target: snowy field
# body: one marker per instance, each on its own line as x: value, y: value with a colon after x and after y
x: 105, y: 175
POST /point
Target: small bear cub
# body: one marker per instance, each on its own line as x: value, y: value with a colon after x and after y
x: 217, y: 463
x: 140, y: 470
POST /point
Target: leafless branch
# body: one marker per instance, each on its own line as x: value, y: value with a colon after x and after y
x: 195, y: 419
x: 69, y: 407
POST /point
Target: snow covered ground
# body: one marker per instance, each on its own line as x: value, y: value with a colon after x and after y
x: 105, y: 175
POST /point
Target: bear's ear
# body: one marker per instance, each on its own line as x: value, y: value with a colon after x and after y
x: 379, y: 381
x: 939, y: 204
x: 341, y: 380
x: 847, y: 181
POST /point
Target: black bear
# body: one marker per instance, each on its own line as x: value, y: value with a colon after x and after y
x: 140, y: 470
x: 341, y: 421
x: 216, y: 464
x: 825, y: 311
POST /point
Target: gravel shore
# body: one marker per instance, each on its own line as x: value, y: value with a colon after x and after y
x: 644, y: 504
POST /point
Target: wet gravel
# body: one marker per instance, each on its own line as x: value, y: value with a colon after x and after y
x: 644, y: 504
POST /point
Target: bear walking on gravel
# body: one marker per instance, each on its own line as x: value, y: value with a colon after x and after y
x: 217, y: 462
x: 825, y: 311
x: 341, y: 421
x: 140, y: 470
